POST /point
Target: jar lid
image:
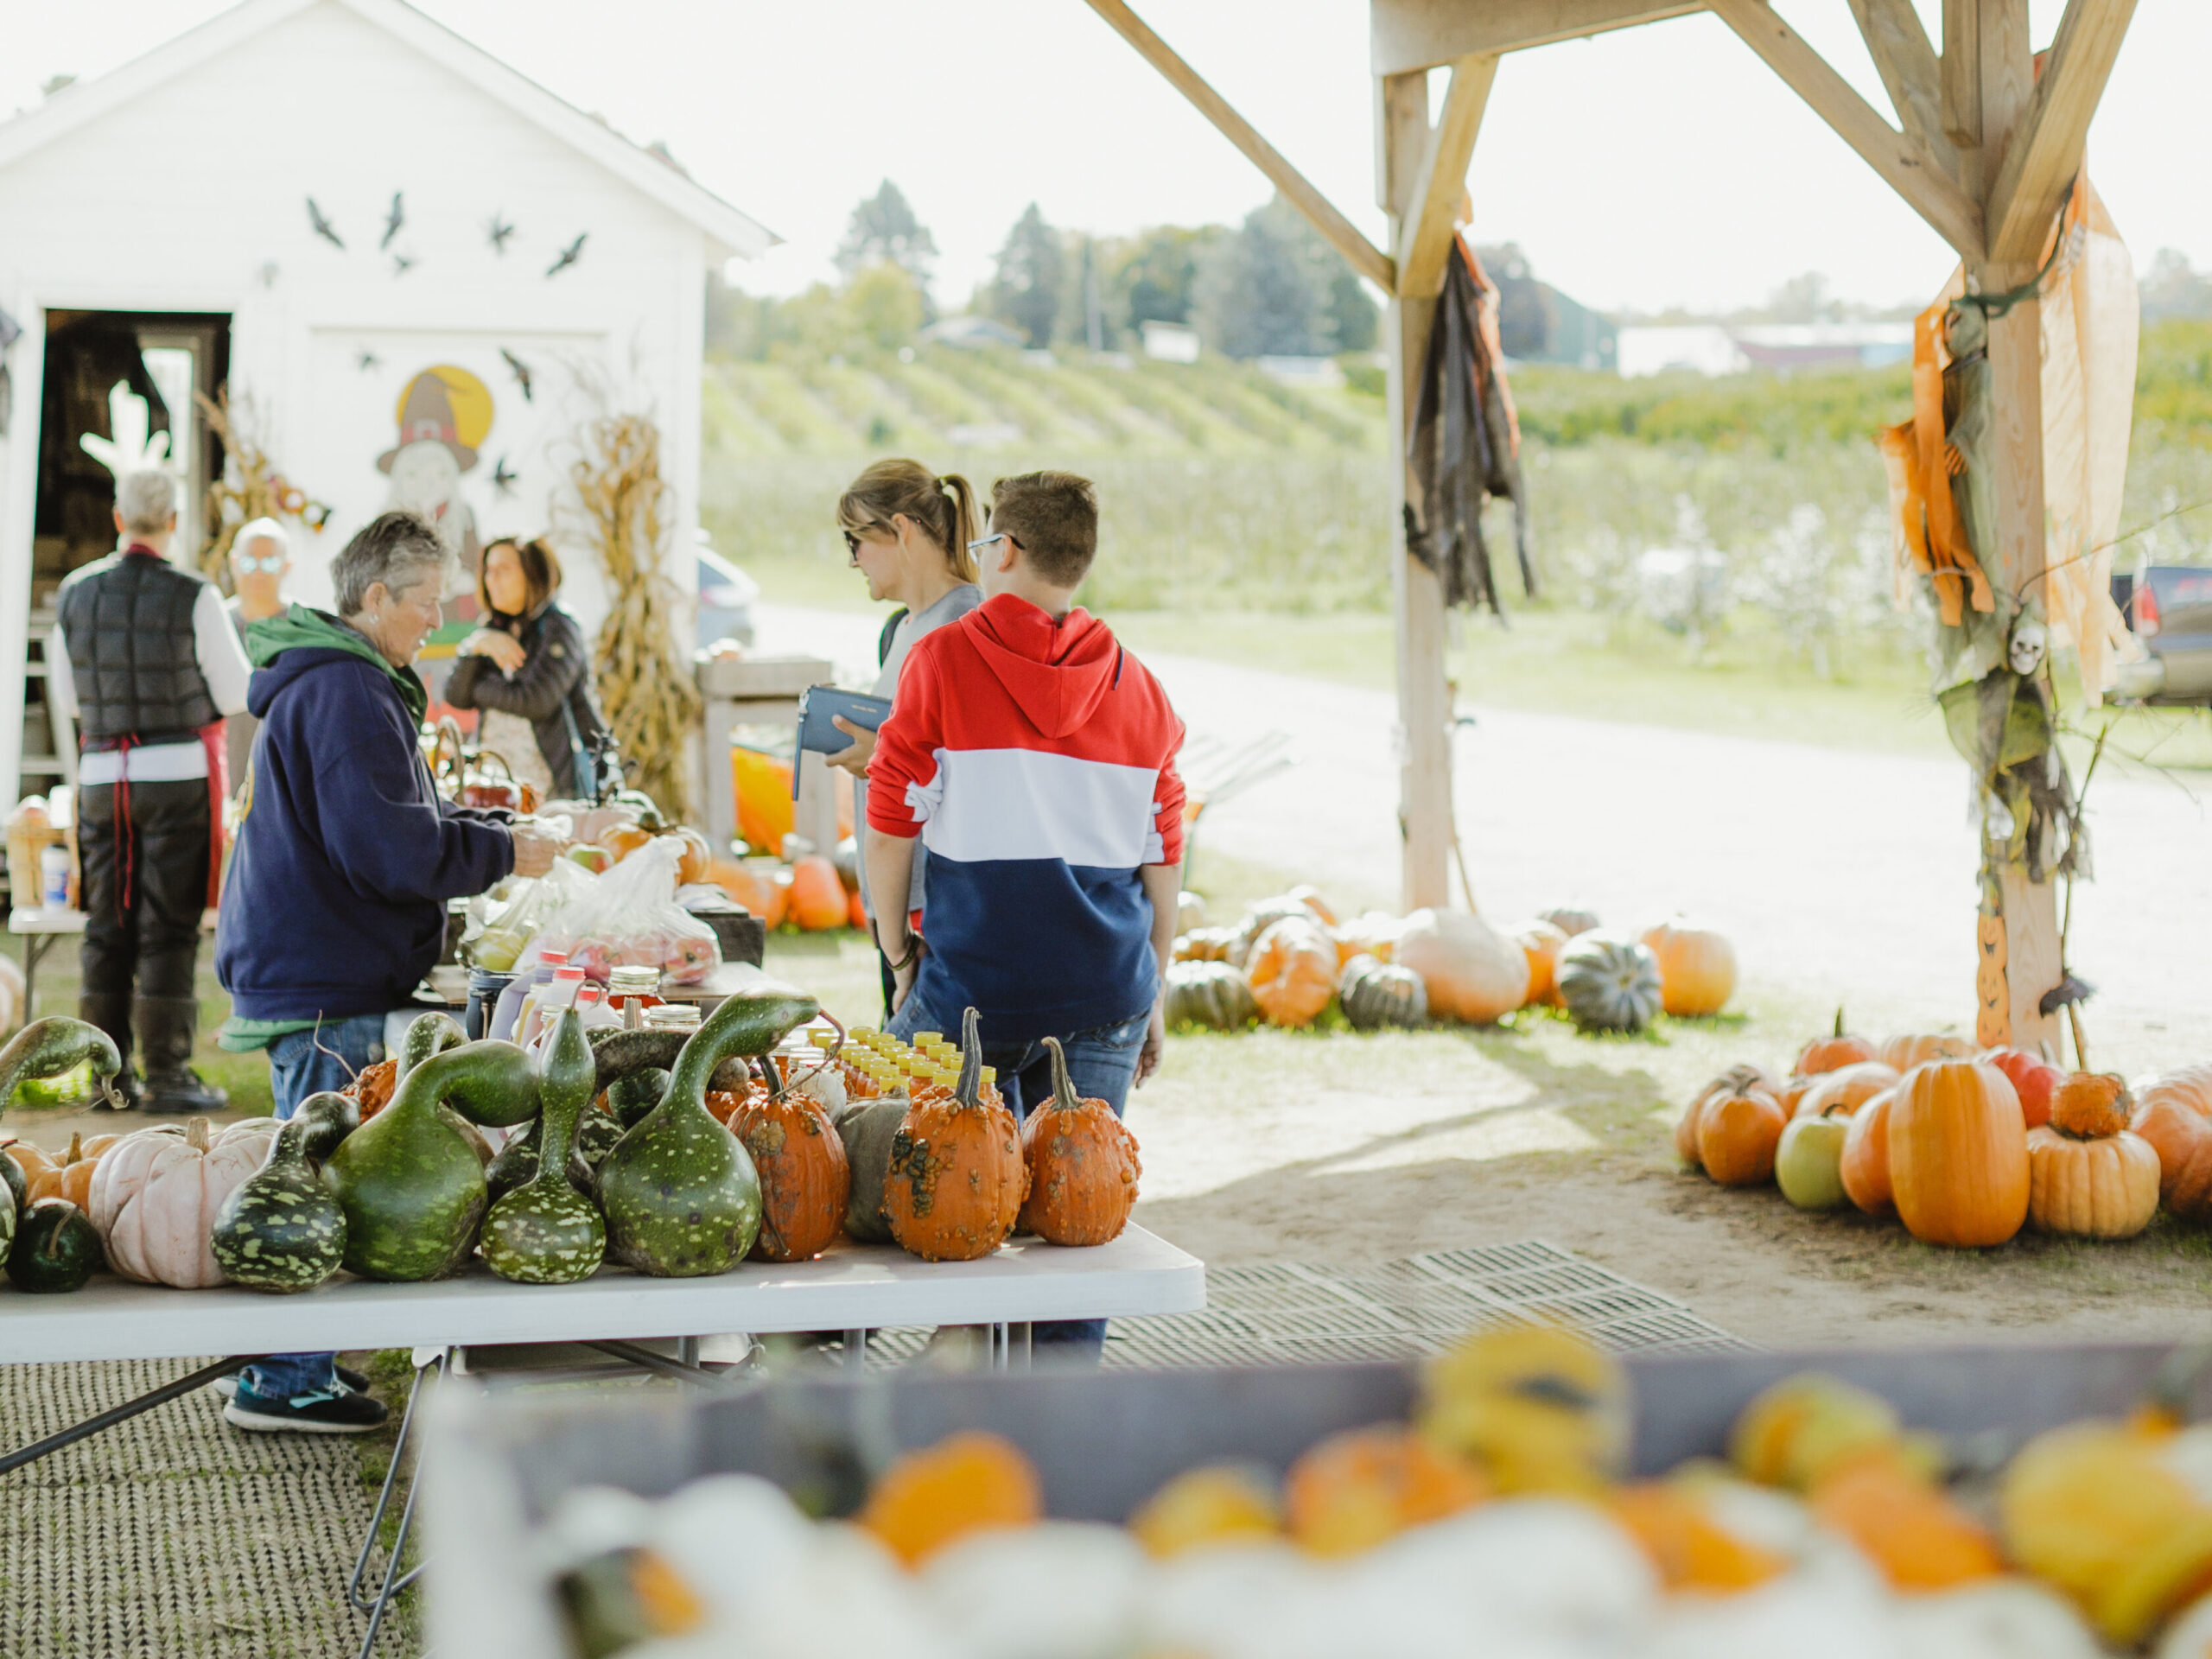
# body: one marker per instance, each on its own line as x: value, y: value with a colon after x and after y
x: 635, y: 982
x: 673, y: 1014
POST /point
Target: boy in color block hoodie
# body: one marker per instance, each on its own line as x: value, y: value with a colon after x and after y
x: 1035, y: 758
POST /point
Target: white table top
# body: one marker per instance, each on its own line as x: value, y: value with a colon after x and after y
x: 36, y: 919
x: 853, y: 1287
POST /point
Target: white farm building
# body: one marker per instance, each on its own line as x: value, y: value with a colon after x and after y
x: 417, y: 274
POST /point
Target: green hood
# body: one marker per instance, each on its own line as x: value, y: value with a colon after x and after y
x: 303, y: 628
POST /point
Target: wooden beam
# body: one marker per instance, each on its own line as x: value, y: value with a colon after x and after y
x: 1423, y: 242
x: 1342, y: 234
x: 2045, y: 150
x: 1410, y: 34
x: 1910, y: 71
x: 1961, y: 72
x: 1926, y: 186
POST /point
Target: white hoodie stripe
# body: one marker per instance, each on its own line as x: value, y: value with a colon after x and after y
x: 1027, y: 803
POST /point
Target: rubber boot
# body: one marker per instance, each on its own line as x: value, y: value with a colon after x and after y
x: 165, y: 1032
x: 112, y: 1013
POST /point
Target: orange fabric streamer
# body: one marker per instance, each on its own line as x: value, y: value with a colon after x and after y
x: 1931, y: 537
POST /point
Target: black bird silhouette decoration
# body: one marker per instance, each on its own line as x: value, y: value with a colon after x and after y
x: 323, y: 227
x: 521, y: 371
x: 368, y: 361
x: 498, y: 231
x: 392, y: 221
x: 402, y: 264
x: 503, y: 480
x: 568, y: 254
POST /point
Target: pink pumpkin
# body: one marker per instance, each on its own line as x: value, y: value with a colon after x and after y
x: 2033, y: 1078
x: 155, y: 1193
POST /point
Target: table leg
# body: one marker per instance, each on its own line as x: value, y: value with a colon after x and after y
x: 999, y: 1345
x: 1018, y: 1347
x: 125, y: 1411
x: 393, y: 1581
x: 687, y: 1351
x: 35, y: 945
x: 682, y: 1371
x: 855, y: 1352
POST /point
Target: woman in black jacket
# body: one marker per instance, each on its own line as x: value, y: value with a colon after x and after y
x: 528, y: 663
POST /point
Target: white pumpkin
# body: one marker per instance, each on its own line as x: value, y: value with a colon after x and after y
x: 1475, y: 975
x: 155, y: 1193
x: 2001, y: 1619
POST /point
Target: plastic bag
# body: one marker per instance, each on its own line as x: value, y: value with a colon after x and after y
x: 630, y: 918
x: 503, y: 922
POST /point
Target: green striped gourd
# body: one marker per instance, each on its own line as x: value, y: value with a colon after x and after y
x: 545, y: 1232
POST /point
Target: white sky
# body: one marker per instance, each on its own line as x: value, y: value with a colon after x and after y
x: 1652, y: 167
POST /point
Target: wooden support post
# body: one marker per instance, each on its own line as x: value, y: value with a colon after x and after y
x: 2028, y: 911
x: 1424, y: 697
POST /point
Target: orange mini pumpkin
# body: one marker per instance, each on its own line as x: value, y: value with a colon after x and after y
x: 623, y: 839
x: 1834, y: 1051
x: 1737, y: 1134
x: 1914, y: 1533
x: 1082, y: 1166
x: 1689, y: 1549
x: 1355, y: 1490
x: 956, y: 1178
x: 1541, y: 942
x: 1293, y: 969
x: 1917, y: 1049
x: 2090, y: 1105
x: 964, y: 1484
x: 1736, y: 1080
x: 805, y: 1178
x: 70, y: 1177
x: 1958, y: 1155
x: 1697, y: 968
x: 1865, y: 1164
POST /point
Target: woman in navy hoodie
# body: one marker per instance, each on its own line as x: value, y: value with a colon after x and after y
x: 335, y: 905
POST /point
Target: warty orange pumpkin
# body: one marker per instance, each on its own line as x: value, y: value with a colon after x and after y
x: 1697, y: 968
x: 1082, y: 1166
x: 956, y: 1178
x: 1958, y: 1155
x: 2090, y: 1105
x: 1293, y: 968
x: 805, y: 1179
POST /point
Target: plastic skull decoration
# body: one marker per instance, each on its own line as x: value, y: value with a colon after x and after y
x: 2029, y: 641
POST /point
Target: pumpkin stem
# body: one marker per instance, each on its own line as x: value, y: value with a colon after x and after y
x: 969, y: 1091
x: 1839, y: 1019
x: 195, y: 1135
x: 1064, y: 1096
x: 76, y: 1149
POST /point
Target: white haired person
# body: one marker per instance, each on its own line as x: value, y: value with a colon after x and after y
x: 261, y: 557
x: 146, y: 662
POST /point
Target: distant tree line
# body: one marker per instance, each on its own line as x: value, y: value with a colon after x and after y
x: 1268, y: 287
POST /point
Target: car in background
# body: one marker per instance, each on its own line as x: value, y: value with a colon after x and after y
x: 2169, y: 608
x: 726, y: 598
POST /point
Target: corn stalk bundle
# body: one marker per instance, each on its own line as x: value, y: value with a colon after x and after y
x: 249, y: 487
x: 647, y: 689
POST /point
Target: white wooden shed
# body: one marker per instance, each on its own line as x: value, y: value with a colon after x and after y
x: 416, y: 271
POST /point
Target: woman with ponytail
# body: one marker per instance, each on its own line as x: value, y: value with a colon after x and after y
x: 907, y: 532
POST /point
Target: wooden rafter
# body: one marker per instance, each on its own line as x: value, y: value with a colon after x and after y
x: 1961, y: 70
x: 1909, y: 70
x: 1413, y: 35
x: 1342, y: 234
x: 2045, y: 151
x: 1926, y: 186
x: 1425, y: 237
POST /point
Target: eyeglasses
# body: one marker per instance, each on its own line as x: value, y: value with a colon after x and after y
x: 272, y: 562
x: 996, y: 535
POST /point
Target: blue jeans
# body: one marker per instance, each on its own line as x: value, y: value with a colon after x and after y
x: 1102, y: 1065
x: 298, y: 1068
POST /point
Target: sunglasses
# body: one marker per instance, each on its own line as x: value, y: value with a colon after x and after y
x: 853, y: 545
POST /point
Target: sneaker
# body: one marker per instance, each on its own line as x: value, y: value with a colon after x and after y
x: 228, y: 1386
x: 332, y: 1411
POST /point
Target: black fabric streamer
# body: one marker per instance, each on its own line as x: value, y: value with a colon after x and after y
x: 1461, y: 451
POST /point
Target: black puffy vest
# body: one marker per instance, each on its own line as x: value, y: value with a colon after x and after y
x: 128, y: 623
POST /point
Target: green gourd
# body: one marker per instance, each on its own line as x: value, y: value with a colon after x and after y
x: 12, y: 1178
x: 325, y: 1120
x: 499, y: 1090
x: 630, y: 1098
x: 619, y: 1054
x: 56, y: 1247
x: 280, y: 1229
x: 7, y: 1214
x: 411, y: 1184
x: 48, y: 1048
x: 680, y: 1194
x: 868, y: 1128
x: 597, y: 1134
x: 546, y: 1232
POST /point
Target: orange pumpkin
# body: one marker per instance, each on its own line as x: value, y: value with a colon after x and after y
x: 698, y: 858
x: 32, y: 1160
x: 70, y: 1177
x: 756, y: 890
x: 2090, y: 1105
x: 1697, y: 968
x: 1833, y: 1052
x: 2182, y: 1137
x: 1865, y: 1166
x: 373, y: 1087
x: 964, y: 1484
x: 1905, y: 1053
x: 1475, y: 975
x: 1689, y: 1548
x: 2091, y: 1186
x: 1958, y: 1155
x: 956, y: 1178
x: 1311, y: 897
x: 1790, y: 1093
x: 1541, y: 942
x: 2190, y: 1088
x: 1737, y: 1133
x: 1372, y: 932
x: 1082, y: 1166
x: 805, y: 1178
x: 1846, y: 1089
x: 1293, y: 969
x: 1353, y: 1491
x: 855, y: 912
x: 818, y: 901
x: 1736, y: 1080
x: 1912, y: 1531
x: 623, y: 839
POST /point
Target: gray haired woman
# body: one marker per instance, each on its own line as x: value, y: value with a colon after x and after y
x: 335, y: 907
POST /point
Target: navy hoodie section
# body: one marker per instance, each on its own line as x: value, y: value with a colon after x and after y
x: 336, y: 901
